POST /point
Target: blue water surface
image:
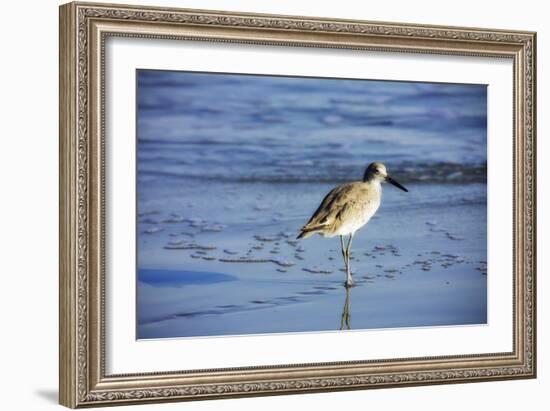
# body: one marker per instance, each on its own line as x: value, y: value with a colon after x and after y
x: 285, y: 129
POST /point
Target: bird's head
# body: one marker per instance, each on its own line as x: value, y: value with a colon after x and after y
x: 377, y: 172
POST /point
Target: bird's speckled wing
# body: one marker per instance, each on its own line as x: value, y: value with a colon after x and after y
x: 341, y: 201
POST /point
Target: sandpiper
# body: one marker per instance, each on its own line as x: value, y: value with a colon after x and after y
x: 347, y: 208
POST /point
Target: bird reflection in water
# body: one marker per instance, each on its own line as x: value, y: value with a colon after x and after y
x: 345, y: 321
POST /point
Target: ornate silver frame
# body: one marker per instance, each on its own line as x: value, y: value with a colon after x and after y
x: 83, y: 30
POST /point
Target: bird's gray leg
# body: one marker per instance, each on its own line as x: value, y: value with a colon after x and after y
x: 349, y: 281
x: 344, y: 255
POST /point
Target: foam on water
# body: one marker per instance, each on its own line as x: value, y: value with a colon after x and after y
x: 239, y: 128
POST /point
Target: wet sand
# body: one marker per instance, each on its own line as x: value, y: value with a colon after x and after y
x: 222, y: 259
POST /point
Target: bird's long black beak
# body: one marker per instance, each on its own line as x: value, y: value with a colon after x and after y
x: 395, y: 183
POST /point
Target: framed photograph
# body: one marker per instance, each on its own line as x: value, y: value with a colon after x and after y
x: 259, y: 204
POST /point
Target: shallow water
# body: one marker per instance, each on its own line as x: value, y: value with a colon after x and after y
x: 230, y: 167
x: 238, y: 128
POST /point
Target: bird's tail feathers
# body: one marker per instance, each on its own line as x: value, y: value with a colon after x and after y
x: 308, y: 232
